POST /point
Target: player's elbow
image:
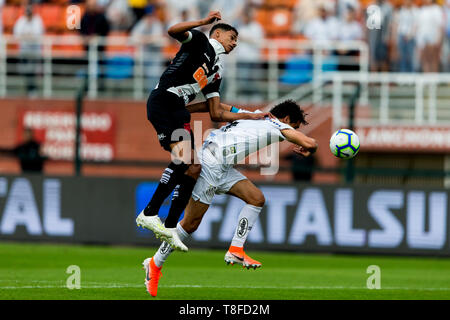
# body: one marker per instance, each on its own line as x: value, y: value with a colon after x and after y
x: 216, y: 115
x: 215, y: 118
x: 173, y: 33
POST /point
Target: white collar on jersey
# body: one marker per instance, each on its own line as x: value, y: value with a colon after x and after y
x: 218, y: 47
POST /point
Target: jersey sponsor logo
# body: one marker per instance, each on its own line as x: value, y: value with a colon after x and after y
x: 201, y: 78
x: 200, y: 75
x: 227, y: 151
x: 161, y: 136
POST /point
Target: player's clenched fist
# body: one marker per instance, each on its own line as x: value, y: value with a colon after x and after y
x: 212, y: 16
x: 302, y: 151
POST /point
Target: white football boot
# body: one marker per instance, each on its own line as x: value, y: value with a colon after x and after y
x: 175, y: 241
x: 154, y: 224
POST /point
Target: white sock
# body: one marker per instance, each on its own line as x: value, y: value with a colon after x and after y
x: 165, y: 249
x: 246, y: 219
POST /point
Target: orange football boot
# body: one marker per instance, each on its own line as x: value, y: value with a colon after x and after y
x: 237, y: 255
x: 152, y: 275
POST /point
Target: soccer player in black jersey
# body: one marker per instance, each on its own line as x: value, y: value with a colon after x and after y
x: 196, y: 68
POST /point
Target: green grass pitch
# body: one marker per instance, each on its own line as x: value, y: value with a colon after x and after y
x: 38, y: 271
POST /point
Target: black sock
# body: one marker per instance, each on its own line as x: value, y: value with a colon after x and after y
x: 169, y: 179
x: 180, y: 201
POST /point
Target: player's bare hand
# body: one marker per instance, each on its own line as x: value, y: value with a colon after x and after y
x: 258, y: 116
x: 302, y: 151
x: 268, y: 114
x: 212, y: 17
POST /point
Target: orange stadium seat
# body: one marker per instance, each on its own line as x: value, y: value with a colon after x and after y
x: 365, y: 3
x: 10, y: 14
x: 118, y: 48
x: 281, y: 20
x: 263, y: 17
x: 260, y: 15
x: 275, y: 21
x: 281, y: 3
x: 61, y: 2
x: 69, y: 50
x: 170, y: 50
x: 53, y: 16
x: 282, y: 52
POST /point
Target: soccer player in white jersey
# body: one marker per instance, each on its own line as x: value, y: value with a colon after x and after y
x: 222, y: 149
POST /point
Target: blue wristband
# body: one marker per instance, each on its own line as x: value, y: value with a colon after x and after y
x: 234, y: 110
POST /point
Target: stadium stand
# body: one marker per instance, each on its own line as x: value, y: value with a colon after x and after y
x: 10, y: 13
x: 54, y: 18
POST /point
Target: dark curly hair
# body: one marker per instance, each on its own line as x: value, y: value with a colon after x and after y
x: 292, y: 109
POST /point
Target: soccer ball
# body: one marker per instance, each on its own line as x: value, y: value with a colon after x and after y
x: 344, y: 144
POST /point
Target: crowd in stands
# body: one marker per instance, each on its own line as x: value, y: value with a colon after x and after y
x: 402, y: 35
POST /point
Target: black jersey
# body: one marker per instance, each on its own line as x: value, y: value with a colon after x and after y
x: 195, y: 68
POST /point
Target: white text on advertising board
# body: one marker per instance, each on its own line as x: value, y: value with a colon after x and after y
x: 21, y: 209
x: 425, y: 228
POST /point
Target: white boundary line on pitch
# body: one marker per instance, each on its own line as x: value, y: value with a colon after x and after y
x: 94, y: 285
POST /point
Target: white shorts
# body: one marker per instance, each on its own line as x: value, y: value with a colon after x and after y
x: 424, y: 39
x: 215, y: 178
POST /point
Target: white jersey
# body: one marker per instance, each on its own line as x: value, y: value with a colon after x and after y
x: 238, y: 139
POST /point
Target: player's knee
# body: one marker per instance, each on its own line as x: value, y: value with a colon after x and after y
x: 194, y: 170
x: 257, y: 199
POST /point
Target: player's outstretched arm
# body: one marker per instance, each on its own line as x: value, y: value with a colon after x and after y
x: 220, y: 113
x: 197, y: 107
x: 180, y: 30
x: 306, y: 145
x: 203, y: 107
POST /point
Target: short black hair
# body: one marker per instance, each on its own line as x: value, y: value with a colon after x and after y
x: 222, y: 26
x: 289, y: 108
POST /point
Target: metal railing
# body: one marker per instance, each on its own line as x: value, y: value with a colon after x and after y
x: 63, y: 62
x: 394, y: 98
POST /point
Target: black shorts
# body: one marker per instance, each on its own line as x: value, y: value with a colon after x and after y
x: 167, y: 113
